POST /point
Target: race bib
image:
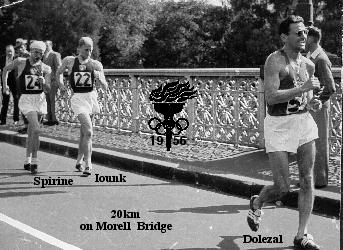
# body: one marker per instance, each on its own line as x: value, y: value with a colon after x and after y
x: 32, y: 83
x: 82, y: 79
x: 297, y: 104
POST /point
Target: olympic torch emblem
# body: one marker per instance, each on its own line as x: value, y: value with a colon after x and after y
x: 169, y: 100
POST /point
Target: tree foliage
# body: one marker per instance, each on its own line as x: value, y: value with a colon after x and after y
x: 126, y: 26
x: 175, y: 33
x: 62, y: 21
x: 166, y: 33
x: 186, y: 34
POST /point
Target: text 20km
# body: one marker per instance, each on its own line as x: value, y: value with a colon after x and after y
x: 118, y: 214
x: 176, y: 140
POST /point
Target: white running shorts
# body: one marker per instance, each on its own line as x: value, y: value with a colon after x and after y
x: 33, y: 102
x: 289, y: 132
x: 85, y: 103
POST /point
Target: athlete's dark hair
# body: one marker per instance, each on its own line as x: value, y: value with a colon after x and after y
x: 284, y: 25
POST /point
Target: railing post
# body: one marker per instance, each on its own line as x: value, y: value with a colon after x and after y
x: 214, y: 109
x: 135, y: 104
x: 236, y: 113
x: 191, y: 113
x: 118, y: 106
x: 261, y: 113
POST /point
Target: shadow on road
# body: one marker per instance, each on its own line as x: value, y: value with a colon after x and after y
x: 225, y: 209
x: 9, y: 175
x: 82, y: 186
x: 17, y: 194
x: 228, y: 243
x: 11, y: 183
x: 276, y: 248
x: 11, y: 169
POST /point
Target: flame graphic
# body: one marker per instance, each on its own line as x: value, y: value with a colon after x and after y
x: 173, y: 92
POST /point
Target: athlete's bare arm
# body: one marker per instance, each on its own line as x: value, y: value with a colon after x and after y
x: 60, y: 71
x: 273, y: 66
x: 310, y: 70
x: 99, y: 74
x: 47, y: 81
x: 313, y: 103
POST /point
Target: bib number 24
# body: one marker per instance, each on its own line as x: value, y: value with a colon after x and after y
x: 32, y: 83
x: 82, y: 79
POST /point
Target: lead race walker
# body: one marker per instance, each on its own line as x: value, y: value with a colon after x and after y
x: 84, y: 72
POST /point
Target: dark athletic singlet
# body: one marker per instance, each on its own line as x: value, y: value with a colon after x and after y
x: 28, y: 80
x: 293, y: 79
x: 81, y: 77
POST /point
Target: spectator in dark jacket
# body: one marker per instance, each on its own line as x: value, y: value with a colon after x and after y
x: 11, y: 84
x: 324, y: 74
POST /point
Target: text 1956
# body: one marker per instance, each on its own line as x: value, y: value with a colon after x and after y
x: 176, y: 140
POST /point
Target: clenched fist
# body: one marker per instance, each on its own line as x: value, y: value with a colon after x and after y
x: 314, y: 104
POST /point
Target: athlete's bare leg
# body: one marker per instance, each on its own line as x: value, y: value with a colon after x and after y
x: 80, y: 153
x: 33, y: 132
x: 279, y: 165
x: 85, y: 145
x: 32, y: 140
x: 305, y: 157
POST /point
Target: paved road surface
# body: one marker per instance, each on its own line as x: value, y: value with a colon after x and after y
x: 32, y: 217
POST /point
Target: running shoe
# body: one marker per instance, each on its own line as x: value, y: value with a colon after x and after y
x: 79, y: 167
x: 254, y: 215
x: 34, y: 169
x: 87, y: 171
x: 27, y: 166
x: 306, y: 242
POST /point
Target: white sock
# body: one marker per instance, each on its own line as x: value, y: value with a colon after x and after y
x: 28, y: 160
x: 34, y: 161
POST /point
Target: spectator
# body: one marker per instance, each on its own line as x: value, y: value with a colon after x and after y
x: 11, y: 83
x: 327, y: 84
x: 53, y: 59
x: 21, y: 51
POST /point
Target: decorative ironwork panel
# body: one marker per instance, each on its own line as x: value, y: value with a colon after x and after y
x: 336, y: 120
x: 227, y: 110
x: 109, y: 102
x: 204, y: 116
x: 248, y: 118
x: 63, y: 107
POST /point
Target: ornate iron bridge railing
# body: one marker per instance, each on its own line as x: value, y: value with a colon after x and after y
x: 230, y: 106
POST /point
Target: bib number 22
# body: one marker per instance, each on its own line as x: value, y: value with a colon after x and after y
x: 82, y: 79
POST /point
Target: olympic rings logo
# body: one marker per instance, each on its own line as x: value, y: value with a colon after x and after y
x: 161, y: 127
